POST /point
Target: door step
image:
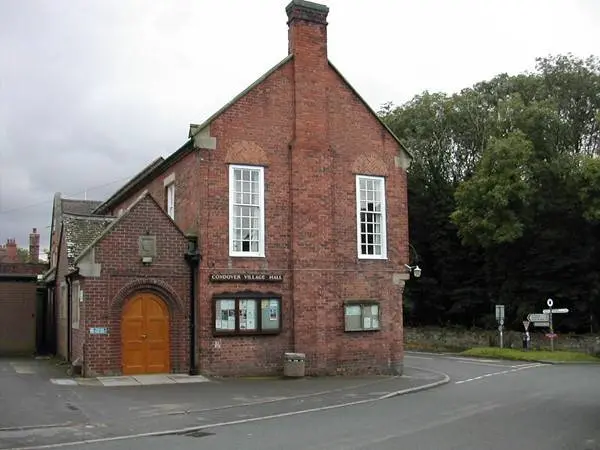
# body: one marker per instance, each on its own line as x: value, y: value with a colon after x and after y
x: 132, y: 380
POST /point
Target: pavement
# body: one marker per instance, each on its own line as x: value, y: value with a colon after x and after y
x: 133, y: 380
x: 39, y: 408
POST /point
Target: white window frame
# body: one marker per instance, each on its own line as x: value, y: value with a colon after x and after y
x: 383, y: 215
x: 261, y: 214
x: 75, y: 311
x: 170, y: 188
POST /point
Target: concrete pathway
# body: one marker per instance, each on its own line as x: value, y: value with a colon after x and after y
x: 136, y: 380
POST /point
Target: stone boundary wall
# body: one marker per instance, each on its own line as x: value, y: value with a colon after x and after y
x: 456, y: 339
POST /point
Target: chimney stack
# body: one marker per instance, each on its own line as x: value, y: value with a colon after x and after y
x: 307, y: 34
x: 11, y: 250
x: 34, y: 246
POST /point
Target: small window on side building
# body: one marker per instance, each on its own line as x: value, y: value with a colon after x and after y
x: 170, y: 200
x: 75, y: 294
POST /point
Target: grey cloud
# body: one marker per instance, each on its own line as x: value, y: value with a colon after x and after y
x: 61, y: 126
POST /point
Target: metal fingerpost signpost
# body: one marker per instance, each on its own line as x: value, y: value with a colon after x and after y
x: 550, y: 302
x: 551, y: 311
x: 500, y: 319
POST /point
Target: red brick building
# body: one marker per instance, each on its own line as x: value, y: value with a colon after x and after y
x: 296, y: 195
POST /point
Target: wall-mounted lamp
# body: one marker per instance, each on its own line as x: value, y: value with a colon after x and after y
x: 416, y: 270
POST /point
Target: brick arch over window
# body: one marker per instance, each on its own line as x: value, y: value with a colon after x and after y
x: 370, y: 164
x: 148, y: 285
x: 246, y: 152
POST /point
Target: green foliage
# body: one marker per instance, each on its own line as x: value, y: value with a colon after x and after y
x: 22, y: 254
x: 493, y: 205
x: 504, y: 196
x: 589, y: 193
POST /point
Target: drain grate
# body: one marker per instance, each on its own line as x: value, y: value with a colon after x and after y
x: 195, y: 434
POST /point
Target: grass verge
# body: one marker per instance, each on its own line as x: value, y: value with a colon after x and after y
x: 531, y: 355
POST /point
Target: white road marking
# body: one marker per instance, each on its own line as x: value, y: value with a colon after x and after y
x: 504, y: 372
x: 418, y: 357
x: 476, y: 360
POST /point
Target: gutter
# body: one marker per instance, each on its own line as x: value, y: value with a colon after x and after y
x: 193, y: 258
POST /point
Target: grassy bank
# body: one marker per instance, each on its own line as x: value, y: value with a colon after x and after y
x: 531, y: 355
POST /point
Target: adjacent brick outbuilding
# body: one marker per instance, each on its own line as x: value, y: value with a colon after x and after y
x: 296, y: 192
x: 140, y: 254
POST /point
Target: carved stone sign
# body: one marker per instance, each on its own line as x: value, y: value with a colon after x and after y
x: 246, y: 277
x: 147, y: 246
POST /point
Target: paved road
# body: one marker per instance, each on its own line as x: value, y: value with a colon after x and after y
x: 487, y: 405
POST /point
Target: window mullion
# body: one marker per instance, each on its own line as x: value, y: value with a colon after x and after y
x: 257, y: 313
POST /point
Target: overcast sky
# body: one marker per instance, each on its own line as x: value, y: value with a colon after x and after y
x: 91, y: 91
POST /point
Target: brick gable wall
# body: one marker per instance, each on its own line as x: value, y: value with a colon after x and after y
x: 122, y: 275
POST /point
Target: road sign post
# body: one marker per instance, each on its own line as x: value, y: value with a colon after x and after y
x: 500, y: 319
x: 550, y: 303
x: 526, y: 335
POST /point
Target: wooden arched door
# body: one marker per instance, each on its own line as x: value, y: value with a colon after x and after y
x: 145, y: 335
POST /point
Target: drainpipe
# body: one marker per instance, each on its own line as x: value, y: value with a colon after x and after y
x: 69, y: 312
x: 193, y: 258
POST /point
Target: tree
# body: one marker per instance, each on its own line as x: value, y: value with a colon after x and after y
x: 493, y: 205
x: 23, y: 255
x: 505, y: 171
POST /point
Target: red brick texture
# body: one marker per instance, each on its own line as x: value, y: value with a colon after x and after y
x: 313, y: 135
x: 23, y: 268
x: 122, y: 276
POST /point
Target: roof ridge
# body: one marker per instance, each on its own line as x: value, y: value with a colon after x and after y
x: 79, y: 200
x: 88, y: 216
x: 132, y: 181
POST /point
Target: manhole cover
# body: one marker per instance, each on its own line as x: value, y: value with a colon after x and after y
x: 196, y: 434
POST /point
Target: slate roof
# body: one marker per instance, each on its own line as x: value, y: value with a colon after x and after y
x: 115, y: 221
x: 80, y: 207
x: 80, y: 231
